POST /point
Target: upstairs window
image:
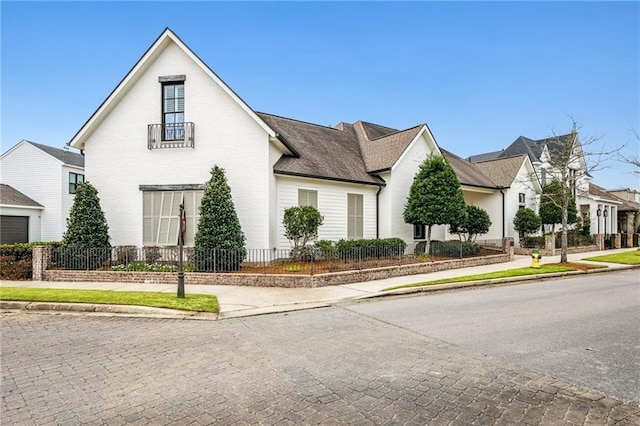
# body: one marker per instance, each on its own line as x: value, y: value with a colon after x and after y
x: 74, y: 180
x: 173, y: 111
x: 521, y: 200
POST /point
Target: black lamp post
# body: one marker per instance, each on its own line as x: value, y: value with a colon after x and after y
x: 599, y: 213
x: 605, y: 214
x: 181, y: 245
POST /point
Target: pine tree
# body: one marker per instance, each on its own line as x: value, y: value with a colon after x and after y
x: 435, y: 197
x: 86, y: 229
x: 219, y: 242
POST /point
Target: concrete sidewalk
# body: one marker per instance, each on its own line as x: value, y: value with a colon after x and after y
x: 236, y: 301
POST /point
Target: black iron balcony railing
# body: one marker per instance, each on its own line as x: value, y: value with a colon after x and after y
x: 173, y: 135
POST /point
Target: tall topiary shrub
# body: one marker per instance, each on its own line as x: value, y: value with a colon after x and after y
x: 219, y: 243
x: 526, y: 222
x: 435, y: 197
x: 85, y: 244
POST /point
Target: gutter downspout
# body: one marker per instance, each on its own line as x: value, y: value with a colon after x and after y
x: 504, y: 224
x: 378, y: 212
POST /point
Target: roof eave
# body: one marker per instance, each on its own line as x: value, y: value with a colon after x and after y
x: 333, y: 179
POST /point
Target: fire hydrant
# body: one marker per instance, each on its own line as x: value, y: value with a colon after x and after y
x: 536, y: 256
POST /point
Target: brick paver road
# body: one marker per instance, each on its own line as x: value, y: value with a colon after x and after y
x: 324, y: 366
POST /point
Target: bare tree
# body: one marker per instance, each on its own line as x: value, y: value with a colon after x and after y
x: 633, y: 159
x: 571, y: 160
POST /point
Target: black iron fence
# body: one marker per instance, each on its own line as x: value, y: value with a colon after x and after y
x: 311, y: 260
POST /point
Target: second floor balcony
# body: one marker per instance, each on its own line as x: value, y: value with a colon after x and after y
x: 170, y: 135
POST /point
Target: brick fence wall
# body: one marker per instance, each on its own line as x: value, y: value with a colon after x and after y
x: 272, y: 280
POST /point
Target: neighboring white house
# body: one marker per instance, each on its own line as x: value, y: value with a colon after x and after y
x: 19, y: 217
x: 594, y: 206
x: 154, y: 140
x: 517, y: 175
x: 46, y: 175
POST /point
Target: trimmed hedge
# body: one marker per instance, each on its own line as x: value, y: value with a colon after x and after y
x: 457, y: 249
x: 16, y: 259
x: 370, y: 248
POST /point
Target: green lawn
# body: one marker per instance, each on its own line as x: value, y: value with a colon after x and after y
x: 627, y: 258
x: 192, y: 302
x: 544, y: 269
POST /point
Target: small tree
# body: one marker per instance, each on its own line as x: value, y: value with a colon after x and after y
x: 551, y: 206
x: 474, y: 222
x: 526, y: 222
x: 219, y: 242
x: 435, y: 197
x: 301, y: 225
x: 86, y: 229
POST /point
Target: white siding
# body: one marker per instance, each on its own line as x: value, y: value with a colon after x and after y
x: 118, y: 161
x: 34, y: 220
x: 491, y: 202
x: 393, y: 196
x: 332, y: 204
x: 44, y: 179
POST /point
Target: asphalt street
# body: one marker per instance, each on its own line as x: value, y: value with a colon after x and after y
x: 337, y: 365
x: 584, y: 329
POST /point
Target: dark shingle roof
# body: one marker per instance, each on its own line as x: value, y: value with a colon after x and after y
x: 485, y: 157
x: 533, y: 148
x: 67, y: 157
x: 467, y: 172
x: 502, y: 171
x: 324, y: 152
x: 354, y: 152
x: 10, y: 196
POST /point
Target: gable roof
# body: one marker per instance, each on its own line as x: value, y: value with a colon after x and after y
x: 324, y: 152
x: 533, y: 148
x: 165, y: 39
x: 383, y: 152
x: 502, y: 171
x: 66, y: 157
x: 468, y: 173
x: 9, y: 196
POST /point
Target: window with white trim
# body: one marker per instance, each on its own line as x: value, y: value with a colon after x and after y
x: 419, y: 232
x: 161, y: 216
x: 308, y: 197
x: 355, y: 216
x: 522, y: 200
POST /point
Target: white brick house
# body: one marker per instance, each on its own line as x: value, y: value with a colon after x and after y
x: 156, y: 137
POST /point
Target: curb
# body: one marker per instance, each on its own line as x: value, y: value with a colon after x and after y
x: 491, y: 282
x: 149, y: 312
x: 95, y: 308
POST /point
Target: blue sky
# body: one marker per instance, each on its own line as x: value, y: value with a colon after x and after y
x: 480, y: 74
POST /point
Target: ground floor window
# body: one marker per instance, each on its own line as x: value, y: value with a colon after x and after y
x: 355, y: 217
x: 419, y: 232
x: 161, y: 220
x: 308, y: 197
